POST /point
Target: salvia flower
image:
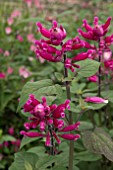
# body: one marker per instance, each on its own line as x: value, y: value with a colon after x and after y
x: 94, y: 33
x: 93, y: 78
x: 48, y: 52
x: 48, y: 118
x: 68, y: 64
x: 95, y: 100
x: 56, y: 34
x: 2, y: 75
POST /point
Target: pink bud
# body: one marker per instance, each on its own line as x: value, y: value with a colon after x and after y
x: 31, y: 134
x: 95, y: 100
x: 70, y: 136
x: 11, y: 131
x: 8, y: 30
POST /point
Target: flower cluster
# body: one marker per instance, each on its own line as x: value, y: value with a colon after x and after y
x: 98, y: 33
x: 49, y: 119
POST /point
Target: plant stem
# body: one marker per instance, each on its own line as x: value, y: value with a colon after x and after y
x: 52, y: 141
x: 71, y: 148
x: 99, y: 78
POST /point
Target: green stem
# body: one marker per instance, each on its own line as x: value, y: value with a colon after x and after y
x: 99, y: 78
x: 71, y: 147
x: 52, y: 141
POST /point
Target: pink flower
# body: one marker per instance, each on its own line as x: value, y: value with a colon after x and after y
x: 48, y: 118
x: 10, y: 21
x: 11, y: 131
x: 109, y: 64
x: 55, y: 35
x: 93, y: 78
x: 10, y: 70
x: 38, y: 4
x: 28, y: 2
x: 47, y: 52
x: 20, y: 38
x: 6, y: 53
x: 83, y: 55
x: 73, y: 44
x: 16, y: 13
x: 2, y: 75
x: 8, y: 30
x: 33, y: 48
x: 95, y: 100
x: 30, y: 38
x: 24, y: 72
x: 94, y: 33
x: 31, y: 134
x: 70, y: 136
x: 70, y: 65
x: 1, y: 50
x: 107, y: 55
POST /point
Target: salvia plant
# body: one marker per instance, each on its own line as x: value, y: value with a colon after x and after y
x: 54, y: 107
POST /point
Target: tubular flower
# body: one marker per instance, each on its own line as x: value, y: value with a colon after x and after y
x: 93, y: 78
x: 109, y: 64
x: 84, y: 55
x: 70, y: 65
x: 73, y: 44
x: 48, y: 52
x: 94, y: 33
x: 95, y: 100
x: 48, y: 118
x: 56, y: 34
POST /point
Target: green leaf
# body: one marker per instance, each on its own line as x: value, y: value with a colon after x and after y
x: 39, y: 150
x: 28, y: 166
x: 45, y: 162
x: 24, y: 160
x: 99, y: 142
x: 88, y: 67
x: 59, y: 76
x: 108, y: 95
x: 87, y: 156
x: 59, y: 168
x: 7, y: 138
x: 76, y: 168
x: 26, y: 140
x: 85, y: 125
x: 13, y: 167
x: 32, y: 87
x: 94, y: 106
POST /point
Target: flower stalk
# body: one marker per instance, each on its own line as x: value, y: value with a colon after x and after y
x: 71, y: 147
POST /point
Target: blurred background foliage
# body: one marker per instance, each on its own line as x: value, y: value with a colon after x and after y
x: 18, y: 54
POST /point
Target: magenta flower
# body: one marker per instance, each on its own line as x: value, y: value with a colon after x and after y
x: 83, y: 55
x: 1, y: 50
x: 48, y: 117
x: 95, y: 100
x: 109, y: 64
x: 93, y: 78
x: 11, y: 131
x: 47, y: 51
x: 94, y: 33
x: 73, y: 44
x: 2, y: 75
x: 20, y: 38
x: 55, y: 35
x: 70, y: 65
